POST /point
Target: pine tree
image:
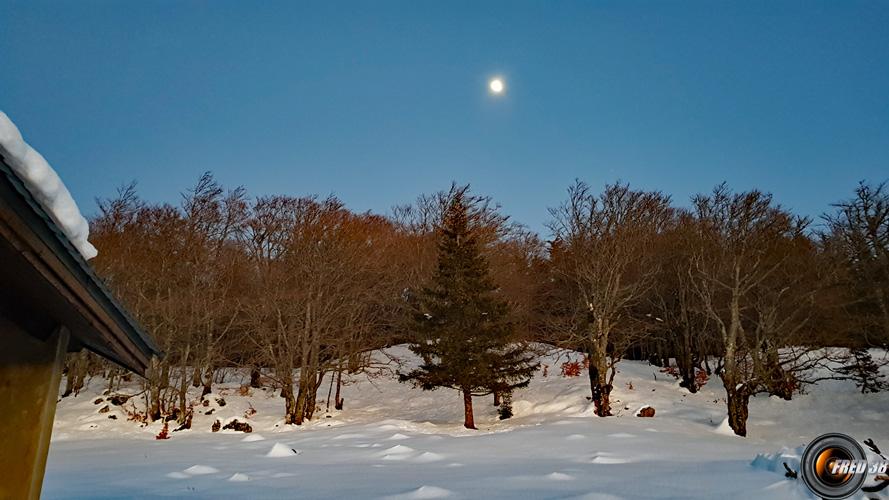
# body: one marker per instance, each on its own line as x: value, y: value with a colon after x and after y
x: 505, y: 409
x: 462, y: 332
x: 865, y: 372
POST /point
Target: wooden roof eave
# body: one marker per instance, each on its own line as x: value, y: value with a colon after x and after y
x: 109, y: 330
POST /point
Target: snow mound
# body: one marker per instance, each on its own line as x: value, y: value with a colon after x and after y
x: 397, y: 450
x: 281, y: 450
x: 607, y: 459
x: 774, y: 462
x: 427, y: 457
x: 45, y: 186
x: 724, y: 428
x: 199, y: 470
x: 622, y: 435
x: 558, y: 476
x: 252, y: 437
x: 423, y: 492
x: 238, y: 477
x: 599, y: 496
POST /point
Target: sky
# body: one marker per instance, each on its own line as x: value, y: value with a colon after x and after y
x: 377, y: 102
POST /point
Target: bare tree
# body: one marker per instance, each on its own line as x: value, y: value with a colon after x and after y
x: 672, y: 305
x: 602, y: 259
x: 758, y: 277
x: 214, y: 220
x: 859, y: 232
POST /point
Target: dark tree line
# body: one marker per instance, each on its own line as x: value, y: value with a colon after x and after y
x: 298, y: 291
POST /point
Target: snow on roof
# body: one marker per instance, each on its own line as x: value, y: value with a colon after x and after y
x: 45, y: 186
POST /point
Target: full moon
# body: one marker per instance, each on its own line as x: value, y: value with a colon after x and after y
x: 496, y: 86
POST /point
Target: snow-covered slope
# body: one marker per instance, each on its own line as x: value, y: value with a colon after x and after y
x: 45, y: 186
x: 398, y: 442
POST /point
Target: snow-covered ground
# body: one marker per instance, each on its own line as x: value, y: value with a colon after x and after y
x: 393, y: 441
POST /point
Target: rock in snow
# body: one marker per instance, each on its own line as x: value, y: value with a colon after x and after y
x: 645, y: 411
x: 45, y: 186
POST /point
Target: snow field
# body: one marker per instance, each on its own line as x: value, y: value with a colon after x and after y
x: 393, y: 441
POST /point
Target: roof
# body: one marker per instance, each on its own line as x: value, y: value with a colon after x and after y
x: 48, y: 283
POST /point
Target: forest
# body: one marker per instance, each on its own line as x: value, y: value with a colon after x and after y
x: 298, y: 291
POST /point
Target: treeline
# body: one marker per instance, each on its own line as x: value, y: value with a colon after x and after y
x: 735, y: 285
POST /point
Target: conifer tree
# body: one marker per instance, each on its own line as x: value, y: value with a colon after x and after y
x: 864, y: 371
x: 462, y: 333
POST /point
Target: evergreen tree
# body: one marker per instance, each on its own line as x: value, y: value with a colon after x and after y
x: 505, y: 409
x: 462, y: 333
x: 865, y: 372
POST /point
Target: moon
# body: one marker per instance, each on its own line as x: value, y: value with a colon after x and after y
x: 496, y: 85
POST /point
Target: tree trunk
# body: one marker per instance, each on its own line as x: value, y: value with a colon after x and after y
x: 82, y: 369
x: 255, y: 376
x: 603, y: 404
x: 687, y: 373
x: 337, y: 400
x: 312, y: 399
x: 196, y: 376
x: 780, y: 382
x: 685, y: 359
x: 290, y: 413
x: 599, y: 387
x: 737, y: 410
x: 304, y: 369
x: 300, y: 408
x: 207, y: 381
x: 77, y: 368
x: 468, y: 420
x: 302, y: 395
x: 183, y: 384
x: 69, y: 377
x: 112, y: 377
x: 157, y: 381
x: 496, y: 398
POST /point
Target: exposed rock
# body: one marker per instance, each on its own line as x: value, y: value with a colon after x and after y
x: 235, y: 425
x: 645, y: 411
x: 187, y: 424
x: 119, y: 399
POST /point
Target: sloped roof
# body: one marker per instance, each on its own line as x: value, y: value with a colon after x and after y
x: 47, y: 282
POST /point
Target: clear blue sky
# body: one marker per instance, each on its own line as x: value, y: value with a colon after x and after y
x: 380, y: 101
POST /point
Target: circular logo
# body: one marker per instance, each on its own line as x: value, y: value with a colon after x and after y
x: 834, y: 466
